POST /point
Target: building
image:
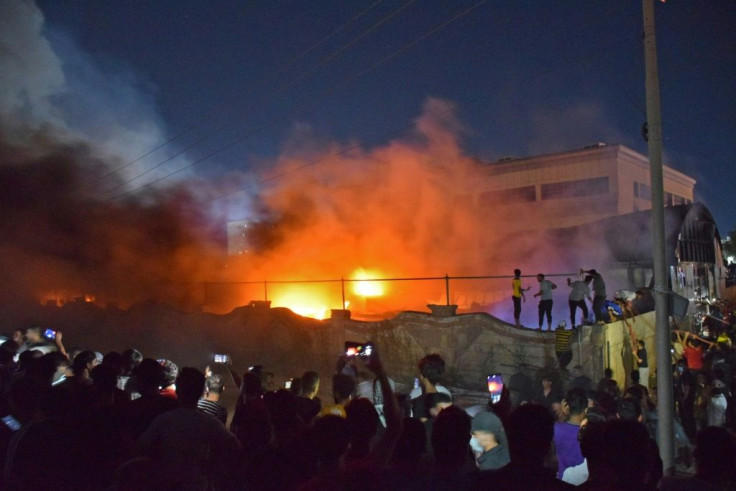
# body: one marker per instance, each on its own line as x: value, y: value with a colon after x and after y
x: 572, y: 188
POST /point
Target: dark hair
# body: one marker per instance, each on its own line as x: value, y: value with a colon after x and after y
x: 517, y: 272
x: 131, y: 359
x: 641, y: 343
x: 577, y: 400
x: 149, y: 374
x: 362, y: 419
x: 82, y: 360
x: 171, y: 372
x: 310, y: 381
x: 450, y: 440
x: 115, y: 360
x: 342, y: 385
x: 189, y: 386
x: 215, y: 383
x: 629, y: 466
x: 529, y: 431
x: 434, y: 398
x: 629, y: 410
x: 432, y: 367
x: 592, y: 443
x: 329, y: 438
x: 635, y: 376
x: 105, y: 377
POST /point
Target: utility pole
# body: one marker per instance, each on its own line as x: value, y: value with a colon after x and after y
x: 665, y: 397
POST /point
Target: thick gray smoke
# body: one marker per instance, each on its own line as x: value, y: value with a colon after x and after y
x: 62, y: 134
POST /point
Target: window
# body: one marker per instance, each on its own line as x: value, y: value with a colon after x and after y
x: 575, y: 189
x: 525, y: 194
x: 645, y: 192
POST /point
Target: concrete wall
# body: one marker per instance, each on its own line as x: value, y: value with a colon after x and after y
x: 474, y: 345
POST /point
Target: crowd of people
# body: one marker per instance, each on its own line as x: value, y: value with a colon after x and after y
x: 80, y: 420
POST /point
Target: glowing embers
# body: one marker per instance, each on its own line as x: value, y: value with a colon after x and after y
x: 367, y: 286
x: 315, y: 301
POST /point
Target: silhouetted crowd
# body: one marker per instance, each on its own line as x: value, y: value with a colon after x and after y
x: 85, y: 421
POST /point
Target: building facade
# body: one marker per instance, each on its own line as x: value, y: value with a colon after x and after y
x: 572, y: 188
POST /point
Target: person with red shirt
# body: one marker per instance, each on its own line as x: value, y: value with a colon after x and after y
x: 693, y: 351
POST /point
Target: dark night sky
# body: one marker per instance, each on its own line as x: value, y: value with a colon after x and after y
x: 527, y: 78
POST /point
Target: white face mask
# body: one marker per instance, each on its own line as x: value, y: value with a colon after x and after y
x: 475, y: 446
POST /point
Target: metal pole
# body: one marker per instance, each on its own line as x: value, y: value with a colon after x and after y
x: 665, y: 405
x: 447, y: 288
x: 265, y: 290
x: 342, y: 287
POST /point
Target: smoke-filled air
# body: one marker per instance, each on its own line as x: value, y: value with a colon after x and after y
x: 75, y: 222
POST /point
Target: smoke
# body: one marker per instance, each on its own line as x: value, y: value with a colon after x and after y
x: 406, y: 208
x: 67, y: 124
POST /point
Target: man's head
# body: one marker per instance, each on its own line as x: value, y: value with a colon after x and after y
x: 310, y: 384
x: 432, y: 368
x: 629, y: 410
x: 33, y: 334
x: 189, y: 386
x: 575, y: 402
x: 343, y: 387
x: 131, y: 359
x: 488, y: 430
x: 517, y: 273
x: 540, y: 277
x: 84, y: 362
x: 450, y: 440
x: 214, y: 384
x: 641, y: 344
x: 171, y: 372
x: 149, y: 375
x: 436, y: 402
x: 635, y: 377
x: 19, y: 337
x: 530, y: 430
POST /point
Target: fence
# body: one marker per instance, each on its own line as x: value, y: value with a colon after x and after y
x: 374, y: 296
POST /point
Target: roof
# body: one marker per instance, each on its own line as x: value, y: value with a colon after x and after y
x: 690, y: 235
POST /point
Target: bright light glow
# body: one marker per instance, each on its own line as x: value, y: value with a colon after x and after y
x: 307, y: 302
x: 367, y: 288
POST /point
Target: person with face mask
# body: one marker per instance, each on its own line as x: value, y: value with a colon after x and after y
x: 489, y: 441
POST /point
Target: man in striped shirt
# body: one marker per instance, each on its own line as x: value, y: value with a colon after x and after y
x: 563, y: 340
x: 210, y: 403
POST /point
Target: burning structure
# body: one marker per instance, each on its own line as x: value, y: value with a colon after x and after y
x: 576, y: 203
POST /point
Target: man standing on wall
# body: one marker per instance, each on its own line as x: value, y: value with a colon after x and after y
x: 599, y: 295
x: 545, y: 300
x: 578, y: 294
x: 517, y: 295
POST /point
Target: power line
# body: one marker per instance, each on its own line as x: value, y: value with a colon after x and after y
x: 224, y: 103
x: 314, y: 102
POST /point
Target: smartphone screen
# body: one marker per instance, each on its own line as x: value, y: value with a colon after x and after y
x: 495, y: 387
x: 49, y: 334
x: 287, y: 384
x: 221, y: 358
x: 352, y: 348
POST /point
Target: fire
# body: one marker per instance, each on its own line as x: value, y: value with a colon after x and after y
x: 368, y: 287
x: 313, y: 301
